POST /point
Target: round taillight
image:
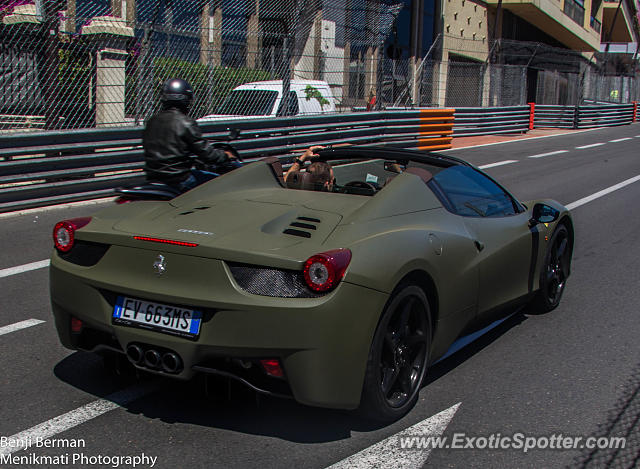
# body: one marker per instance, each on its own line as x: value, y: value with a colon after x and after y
x: 64, y: 232
x: 322, y: 272
x: 63, y: 235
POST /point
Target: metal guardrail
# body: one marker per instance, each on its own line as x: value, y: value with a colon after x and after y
x: 42, y: 168
x: 472, y: 121
x: 604, y: 115
x: 554, y: 116
x: 54, y: 167
x: 584, y: 116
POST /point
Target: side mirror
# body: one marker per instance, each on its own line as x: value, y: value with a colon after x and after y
x: 394, y: 167
x: 543, y: 214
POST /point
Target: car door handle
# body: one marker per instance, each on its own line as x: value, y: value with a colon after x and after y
x: 479, y: 245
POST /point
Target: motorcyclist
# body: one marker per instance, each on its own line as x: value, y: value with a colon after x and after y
x: 173, y: 142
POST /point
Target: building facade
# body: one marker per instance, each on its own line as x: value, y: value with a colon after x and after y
x: 113, y: 54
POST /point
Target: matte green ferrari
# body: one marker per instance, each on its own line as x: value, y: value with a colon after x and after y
x: 338, y: 299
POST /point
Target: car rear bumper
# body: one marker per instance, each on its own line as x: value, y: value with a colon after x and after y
x: 322, y: 343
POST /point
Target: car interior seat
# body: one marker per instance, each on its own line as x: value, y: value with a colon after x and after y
x: 301, y: 180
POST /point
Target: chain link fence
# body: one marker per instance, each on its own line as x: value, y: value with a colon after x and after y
x: 101, y: 63
x: 466, y: 73
x: 623, y: 421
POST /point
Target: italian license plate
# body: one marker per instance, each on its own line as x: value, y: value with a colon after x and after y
x: 157, y: 316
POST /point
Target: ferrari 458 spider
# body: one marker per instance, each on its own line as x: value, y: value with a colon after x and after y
x: 339, y: 299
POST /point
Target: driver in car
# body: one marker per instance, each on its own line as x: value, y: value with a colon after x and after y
x: 321, y: 172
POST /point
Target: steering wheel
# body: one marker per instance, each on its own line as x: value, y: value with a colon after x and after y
x: 363, y: 188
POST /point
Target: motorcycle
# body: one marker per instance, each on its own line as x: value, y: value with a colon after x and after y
x: 153, y: 190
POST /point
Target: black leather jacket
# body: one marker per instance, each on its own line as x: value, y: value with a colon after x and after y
x: 172, y: 143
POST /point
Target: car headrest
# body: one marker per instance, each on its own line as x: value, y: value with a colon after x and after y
x: 301, y: 180
x: 276, y: 166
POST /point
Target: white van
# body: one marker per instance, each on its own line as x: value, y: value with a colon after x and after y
x: 264, y: 98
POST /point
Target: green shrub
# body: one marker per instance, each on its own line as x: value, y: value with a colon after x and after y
x: 74, y: 74
x: 74, y: 87
x: 210, y: 84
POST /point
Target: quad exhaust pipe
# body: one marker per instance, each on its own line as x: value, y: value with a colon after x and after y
x: 152, y: 359
x: 167, y: 361
x: 171, y: 362
x: 135, y: 354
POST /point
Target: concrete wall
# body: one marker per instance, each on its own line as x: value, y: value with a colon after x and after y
x: 322, y: 42
x: 548, y: 16
x: 465, y: 34
x: 466, y: 30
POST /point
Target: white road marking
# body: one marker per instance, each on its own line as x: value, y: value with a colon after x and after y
x: 521, y: 139
x: 388, y: 453
x: 78, y: 416
x: 484, y: 166
x: 551, y: 153
x: 357, y: 162
x: 584, y: 147
x: 620, y: 140
x: 602, y: 193
x: 19, y: 325
x: 497, y: 163
x: 24, y: 268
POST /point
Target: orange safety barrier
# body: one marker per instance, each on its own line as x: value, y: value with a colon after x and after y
x: 436, y: 129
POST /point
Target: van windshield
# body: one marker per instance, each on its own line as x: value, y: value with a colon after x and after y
x: 248, y: 103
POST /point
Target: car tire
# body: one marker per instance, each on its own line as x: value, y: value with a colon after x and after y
x: 398, y: 357
x: 554, y: 272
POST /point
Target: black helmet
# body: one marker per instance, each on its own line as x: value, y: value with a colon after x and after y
x: 177, y: 92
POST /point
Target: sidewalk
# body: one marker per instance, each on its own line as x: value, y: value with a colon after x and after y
x: 461, y: 142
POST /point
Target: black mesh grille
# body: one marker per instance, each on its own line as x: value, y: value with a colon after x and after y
x: 85, y: 253
x: 266, y: 281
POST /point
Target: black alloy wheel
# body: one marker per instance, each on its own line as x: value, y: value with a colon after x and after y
x: 555, y: 270
x: 399, y: 356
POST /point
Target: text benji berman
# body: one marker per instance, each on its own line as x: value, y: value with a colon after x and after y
x: 39, y: 442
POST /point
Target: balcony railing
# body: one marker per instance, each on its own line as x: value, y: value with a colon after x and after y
x: 575, y: 11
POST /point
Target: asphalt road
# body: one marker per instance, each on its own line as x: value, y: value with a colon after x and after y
x: 574, y: 371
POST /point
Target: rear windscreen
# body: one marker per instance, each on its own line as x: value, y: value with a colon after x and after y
x: 248, y: 103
